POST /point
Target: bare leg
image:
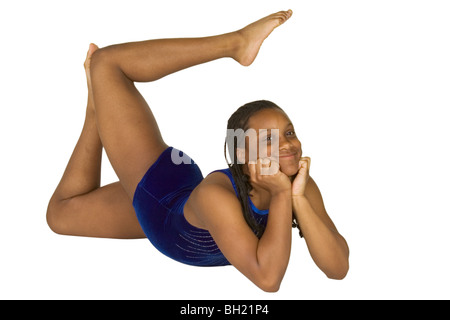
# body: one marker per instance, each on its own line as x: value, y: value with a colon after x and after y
x: 82, y: 173
x: 119, y: 119
x: 79, y: 206
x: 128, y: 130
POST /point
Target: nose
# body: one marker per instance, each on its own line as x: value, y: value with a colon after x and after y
x: 285, y: 144
x: 290, y: 146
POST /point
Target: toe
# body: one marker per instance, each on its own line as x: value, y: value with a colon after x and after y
x: 92, y: 48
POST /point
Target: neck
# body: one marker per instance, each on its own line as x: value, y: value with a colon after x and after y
x: 260, y: 198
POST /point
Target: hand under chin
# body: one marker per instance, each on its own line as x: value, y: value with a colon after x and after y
x: 289, y: 170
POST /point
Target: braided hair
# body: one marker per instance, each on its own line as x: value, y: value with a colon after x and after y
x: 239, y: 121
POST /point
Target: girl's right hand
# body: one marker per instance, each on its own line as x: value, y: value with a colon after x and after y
x: 266, y: 174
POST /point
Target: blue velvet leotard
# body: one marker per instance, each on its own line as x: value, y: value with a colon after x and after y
x: 159, y: 202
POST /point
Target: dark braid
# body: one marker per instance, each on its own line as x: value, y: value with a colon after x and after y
x: 239, y: 120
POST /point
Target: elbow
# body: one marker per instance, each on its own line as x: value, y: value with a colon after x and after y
x: 338, y: 267
x: 337, y: 276
x: 269, y: 284
x: 270, y: 288
x: 338, y: 272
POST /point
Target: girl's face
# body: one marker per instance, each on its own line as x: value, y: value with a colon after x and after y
x: 289, y: 147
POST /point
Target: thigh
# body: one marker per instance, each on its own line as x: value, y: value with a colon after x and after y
x: 127, y: 127
x: 106, y: 212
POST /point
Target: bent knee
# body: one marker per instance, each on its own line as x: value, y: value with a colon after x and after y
x: 102, y: 57
x: 55, y: 216
x: 105, y: 70
x: 51, y: 216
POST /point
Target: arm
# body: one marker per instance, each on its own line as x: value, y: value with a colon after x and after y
x: 327, y: 247
x: 263, y: 261
x: 274, y: 248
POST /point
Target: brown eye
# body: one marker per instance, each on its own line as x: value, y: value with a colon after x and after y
x: 290, y: 133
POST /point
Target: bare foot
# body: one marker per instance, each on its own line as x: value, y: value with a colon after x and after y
x: 87, y: 68
x: 87, y: 62
x: 254, y: 35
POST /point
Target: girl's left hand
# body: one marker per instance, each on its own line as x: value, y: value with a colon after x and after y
x: 299, y: 183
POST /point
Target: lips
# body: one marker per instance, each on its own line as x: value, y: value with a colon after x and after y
x: 287, y: 155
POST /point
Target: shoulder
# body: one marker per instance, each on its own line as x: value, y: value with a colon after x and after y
x: 218, y: 178
x: 215, y: 187
x: 215, y: 199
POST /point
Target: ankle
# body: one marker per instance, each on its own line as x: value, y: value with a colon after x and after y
x: 237, y: 46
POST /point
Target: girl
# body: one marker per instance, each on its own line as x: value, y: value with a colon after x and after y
x: 240, y: 216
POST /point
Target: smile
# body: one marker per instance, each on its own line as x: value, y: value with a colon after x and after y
x: 287, y: 156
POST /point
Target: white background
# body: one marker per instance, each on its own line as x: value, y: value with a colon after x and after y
x: 365, y: 82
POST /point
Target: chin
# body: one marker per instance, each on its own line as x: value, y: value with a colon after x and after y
x: 289, y: 169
